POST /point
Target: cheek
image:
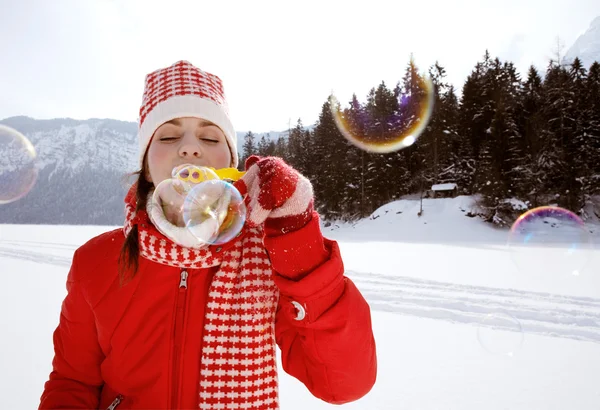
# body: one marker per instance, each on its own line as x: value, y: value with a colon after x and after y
x: 158, y: 157
x: 155, y: 154
x: 222, y: 157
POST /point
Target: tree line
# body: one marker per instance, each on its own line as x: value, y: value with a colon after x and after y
x: 534, y: 140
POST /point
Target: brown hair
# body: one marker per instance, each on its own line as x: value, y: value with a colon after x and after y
x: 128, y: 258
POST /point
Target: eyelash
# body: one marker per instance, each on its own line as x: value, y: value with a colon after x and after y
x: 167, y: 139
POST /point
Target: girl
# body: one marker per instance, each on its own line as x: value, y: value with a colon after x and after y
x: 152, y: 321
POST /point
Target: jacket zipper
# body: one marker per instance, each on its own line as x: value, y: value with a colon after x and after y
x: 178, y: 338
x: 115, y: 403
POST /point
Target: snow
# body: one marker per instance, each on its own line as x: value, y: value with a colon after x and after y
x: 516, y: 204
x: 587, y: 46
x: 432, y: 283
x: 443, y: 187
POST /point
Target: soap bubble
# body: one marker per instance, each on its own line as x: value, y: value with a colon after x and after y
x: 170, y: 196
x: 214, y: 211
x: 500, y: 334
x: 171, y: 193
x: 551, y: 239
x: 392, y: 131
x: 18, y: 171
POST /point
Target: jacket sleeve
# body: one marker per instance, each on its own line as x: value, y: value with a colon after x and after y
x: 75, y: 381
x: 331, y: 349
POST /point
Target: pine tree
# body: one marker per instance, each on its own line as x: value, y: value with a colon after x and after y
x: 433, y: 143
x: 356, y: 121
x: 474, y: 123
x: 296, y: 146
x: 454, y: 147
x: 263, y: 146
x: 496, y: 136
x: 306, y: 164
x: 249, y: 148
x: 487, y: 177
x: 280, y: 149
x: 413, y: 99
x: 532, y: 124
x: 513, y: 167
x: 593, y: 132
x: 581, y: 148
x: 327, y: 157
x: 382, y: 126
x: 270, y: 149
x: 557, y: 135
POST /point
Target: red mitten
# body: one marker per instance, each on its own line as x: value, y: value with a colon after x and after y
x: 276, y: 194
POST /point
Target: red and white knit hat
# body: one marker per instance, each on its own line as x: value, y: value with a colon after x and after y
x: 183, y: 90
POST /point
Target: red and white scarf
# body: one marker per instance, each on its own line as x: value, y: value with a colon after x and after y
x: 238, y: 367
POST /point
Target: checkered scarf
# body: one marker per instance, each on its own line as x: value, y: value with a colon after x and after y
x: 238, y: 367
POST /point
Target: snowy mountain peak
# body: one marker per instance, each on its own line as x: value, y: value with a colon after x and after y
x: 587, y: 46
x: 74, y: 145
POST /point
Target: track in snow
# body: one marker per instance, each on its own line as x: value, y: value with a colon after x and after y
x: 33, y: 256
x: 538, y: 313
x: 41, y: 252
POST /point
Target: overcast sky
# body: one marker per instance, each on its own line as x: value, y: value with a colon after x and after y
x: 88, y: 58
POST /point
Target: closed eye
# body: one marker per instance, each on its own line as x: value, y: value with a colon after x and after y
x: 167, y: 139
x: 209, y: 140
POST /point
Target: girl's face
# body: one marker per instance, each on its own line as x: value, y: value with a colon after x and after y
x: 186, y: 140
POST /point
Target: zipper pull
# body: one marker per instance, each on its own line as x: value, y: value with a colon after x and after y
x: 183, y: 281
x: 115, y: 403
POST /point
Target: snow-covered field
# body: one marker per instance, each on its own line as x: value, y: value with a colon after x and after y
x: 457, y: 324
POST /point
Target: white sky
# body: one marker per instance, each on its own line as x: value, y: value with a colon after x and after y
x: 84, y: 59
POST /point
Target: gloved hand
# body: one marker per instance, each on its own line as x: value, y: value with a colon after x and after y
x: 276, y: 195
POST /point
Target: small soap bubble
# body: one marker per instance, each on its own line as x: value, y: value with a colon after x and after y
x: 18, y: 171
x: 550, y: 240
x: 500, y: 334
x: 390, y: 131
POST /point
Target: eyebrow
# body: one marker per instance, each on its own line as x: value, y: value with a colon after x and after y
x: 203, y: 123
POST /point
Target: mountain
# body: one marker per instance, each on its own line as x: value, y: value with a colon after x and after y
x: 83, y: 168
x: 587, y: 46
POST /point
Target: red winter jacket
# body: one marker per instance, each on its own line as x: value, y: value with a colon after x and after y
x: 100, y: 355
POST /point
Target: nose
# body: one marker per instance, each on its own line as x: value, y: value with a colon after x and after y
x: 190, y: 147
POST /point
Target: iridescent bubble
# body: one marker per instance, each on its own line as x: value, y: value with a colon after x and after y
x: 395, y: 130
x: 500, y: 334
x: 214, y: 211
x: 550, y: 240
x: 18, y: 171
x: 170, y: 196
